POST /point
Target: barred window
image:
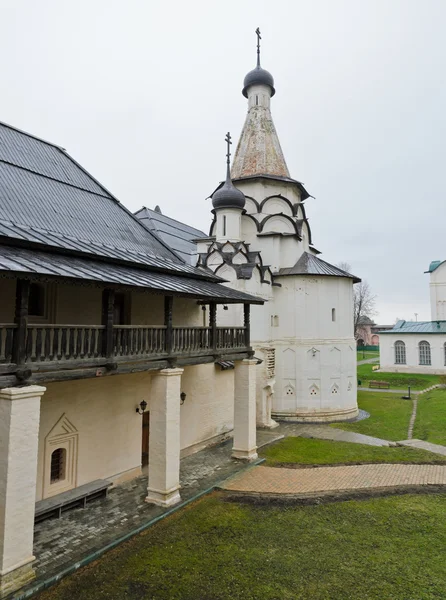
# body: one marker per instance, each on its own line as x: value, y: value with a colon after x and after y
x: 58, y: 461
x: 424, y: 349
x: 400, y: 353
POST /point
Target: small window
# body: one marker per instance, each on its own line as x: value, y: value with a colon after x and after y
x: 224, y: 224
x: 424, y: 349
x: 445, y: 353
x: 333, y: 314
x: 36, y: 305
x: 257, y: 100
x: 400, y: 353
x: 58, y: 462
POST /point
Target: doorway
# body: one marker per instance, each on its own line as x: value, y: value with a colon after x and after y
x: 145, y: 439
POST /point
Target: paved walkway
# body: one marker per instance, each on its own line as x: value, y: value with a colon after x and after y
x: 368, y: 361
x: 301, y: 482
x: 421, y: 445
x: 325, y: 432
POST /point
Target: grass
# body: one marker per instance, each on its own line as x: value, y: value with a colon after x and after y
x: 398, y: 381
x: 369, y: 550
x: 306, y: 451
x: 389, y: 416
x: 430, y: 424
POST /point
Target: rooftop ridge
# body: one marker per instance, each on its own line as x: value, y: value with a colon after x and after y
x: 32, y: 136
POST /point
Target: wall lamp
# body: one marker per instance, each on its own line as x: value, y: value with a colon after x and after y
x: 142, y: 407
x: 182, y: 398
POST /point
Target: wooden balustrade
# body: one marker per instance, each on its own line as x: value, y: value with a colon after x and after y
x: 190, y: 339
x: 48, y: 343
x: 131, y: 340
x: 6, y: 342
x: 231, y: 337
x: 63, y: 342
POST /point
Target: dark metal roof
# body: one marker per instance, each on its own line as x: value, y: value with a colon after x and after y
x: 46, y: 198
x: 434, y: 265
x: 312, y: 265
x: 403, y: 327
x: 26, y: 262
x: 258, y: 76
x: 175, y: 234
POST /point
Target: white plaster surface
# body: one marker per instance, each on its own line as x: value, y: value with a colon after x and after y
x: 245, y: 447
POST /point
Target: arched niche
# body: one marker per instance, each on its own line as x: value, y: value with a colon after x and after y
x: 249, y: 227
x: 240, y: 258
x: 275, y: 205
x: 279, y: 224
x: 214, y: 259
x: 60, y: 458
x: 226, y: 272
x: 251, y: 206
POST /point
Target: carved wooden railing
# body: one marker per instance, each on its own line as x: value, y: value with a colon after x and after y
x: 63, y: 342
x: 191, y: 339
x: 231, y: 337
x: 48, y: 343
x: 138, y: 340
x: 6, y: 341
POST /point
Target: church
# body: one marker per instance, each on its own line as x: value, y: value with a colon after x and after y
x: 261, y: 243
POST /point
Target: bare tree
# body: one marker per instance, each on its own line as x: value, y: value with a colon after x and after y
x: 363, y: 302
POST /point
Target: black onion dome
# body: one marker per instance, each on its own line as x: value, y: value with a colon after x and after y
x: 228, y: 196
x: 258, y: 76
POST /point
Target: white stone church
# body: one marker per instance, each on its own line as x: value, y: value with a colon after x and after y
x: 127, y: 342
x: 419, y: 346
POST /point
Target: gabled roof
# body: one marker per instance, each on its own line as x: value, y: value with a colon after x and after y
x: 175, y: 234
x: 48, y: 200
x: 403, y: 327
x: 313, y: 265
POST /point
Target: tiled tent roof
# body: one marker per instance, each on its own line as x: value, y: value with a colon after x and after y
x: 403, y: 327
x: 308, y: 264
x: 175, y: 234
x: 47, y: 199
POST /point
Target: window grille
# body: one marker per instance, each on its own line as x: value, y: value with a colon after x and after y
x: 58, y: 460
x: 270, y: 363
x: 400, y: 353
x: 424, y: 349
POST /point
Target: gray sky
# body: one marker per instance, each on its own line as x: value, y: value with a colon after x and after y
x: 142, y: 92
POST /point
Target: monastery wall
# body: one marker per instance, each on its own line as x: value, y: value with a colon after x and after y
x: 387, y: 353
x: 438, y: 293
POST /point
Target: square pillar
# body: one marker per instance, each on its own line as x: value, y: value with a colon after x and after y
x: 19, y: 441
x: 164, y: 440
x: 245, y: 447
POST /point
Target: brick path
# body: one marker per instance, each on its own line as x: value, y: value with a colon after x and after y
x: 274, y: 480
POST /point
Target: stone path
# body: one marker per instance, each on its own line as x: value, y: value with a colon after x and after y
x: 368, y: 361
x: 316, y: 480
x: 435, y: 448
x: 324, y: 432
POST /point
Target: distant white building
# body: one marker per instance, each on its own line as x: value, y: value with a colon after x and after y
x: 419, y: 346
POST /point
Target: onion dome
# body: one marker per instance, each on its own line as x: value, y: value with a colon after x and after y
x: 228, y: 196
x: 258, y: 76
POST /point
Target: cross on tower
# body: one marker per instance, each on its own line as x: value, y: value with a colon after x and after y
x: 228, y: 142
x: 259, y: 37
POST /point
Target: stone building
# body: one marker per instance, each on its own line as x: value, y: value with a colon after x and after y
x: 100, y: 321
x: 261, y: 242
x: 419, y: 346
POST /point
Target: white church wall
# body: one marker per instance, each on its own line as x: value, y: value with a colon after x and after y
x: 411, y: 341
x: 438, y: 293
x: 228, y: 225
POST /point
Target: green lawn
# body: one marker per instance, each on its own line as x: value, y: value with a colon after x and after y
x: 389, y: 416
x: 320, y: 452
x: 430, y: 424
x: 398, y: 381
x: 368, y: 550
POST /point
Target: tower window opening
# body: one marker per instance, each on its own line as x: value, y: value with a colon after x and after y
x: 333, y: 314
x: 257, y: 100
x: 224, y: 224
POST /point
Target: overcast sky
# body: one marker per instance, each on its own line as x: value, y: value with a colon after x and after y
x: 142, y: 92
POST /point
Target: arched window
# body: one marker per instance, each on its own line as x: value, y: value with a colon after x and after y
x: 424, y: 349
x: 400, y: 353
x: 58, y: 462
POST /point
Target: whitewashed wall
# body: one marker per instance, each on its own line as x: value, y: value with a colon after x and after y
x: 438, y: 293
x: 387, y: 353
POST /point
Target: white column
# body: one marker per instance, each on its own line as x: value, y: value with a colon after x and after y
x: 164, y: 439
x: 19, y: 441
x: 245, y: 447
